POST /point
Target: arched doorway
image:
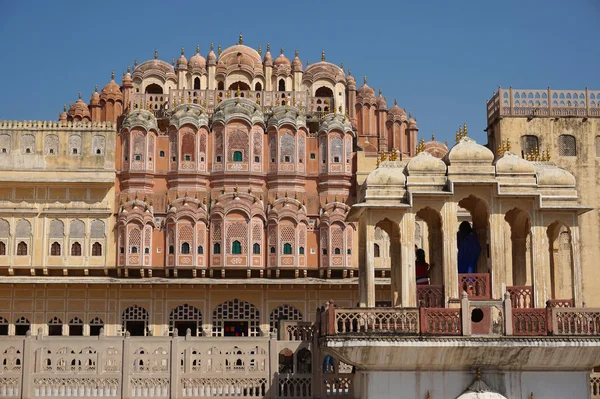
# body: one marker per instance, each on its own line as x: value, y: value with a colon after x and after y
x: 392, y: 230
x: 560, y: 246
x: 236, y: 318
x: 154, y: 89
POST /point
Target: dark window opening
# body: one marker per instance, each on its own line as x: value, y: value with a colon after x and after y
x: 138, y: 157
x: 76, y: 249
x: 218, y: 158
x: 324, y: 252
x: 258, y: 86
x: 197, y: 84
x: 154, y: 89
x: 183, y: 326
x: 95, y: 330
x: 237, y: 156
x: 55, y: 329
x: 349, y: 252
x: 256, y: 159
x: 286, y: 158
x: 281, y: 85
x: 122, y: 250
x: 337, y: 251
x: 146, y: 251
x: 98, y: 151
x: 188, y: 157
x: 3, y: 329
x: 75, y: 330
x: 301, y: 250
x: 287, y: 248
x: 97, y: 249
x: 2, y: 248
x: 376, y: 252
x: 185, y: 248
x: 21, y: 329
x: 171, y: 249
x: 272, y: 250
x: 235, y: 328
x: 55, y: 249
x: 336, y: 159
x: 74, y: 151
x: 313, y: 155
x: 217, y: 248
x: 236, y: 248
x: 136, y: 328
x: 161, y: 154
x: 22, y: 249
x: 134, y: 250
x: 220, y: 86
x: 200, y: 250
x: 256, y: 249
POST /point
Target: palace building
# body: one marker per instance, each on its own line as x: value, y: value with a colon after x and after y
x: 244, y: 225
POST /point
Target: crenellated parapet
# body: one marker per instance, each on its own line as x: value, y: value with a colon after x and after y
x: 57, y: 125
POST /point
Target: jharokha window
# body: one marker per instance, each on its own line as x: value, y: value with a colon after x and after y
x: 55, y: 249
x: 237, y: 156
x: 185, y: 248
x: 76, y: 249
x: 2, y: 248
x: 236, y: 248
x: 97, y: 249
x: 22, y: 249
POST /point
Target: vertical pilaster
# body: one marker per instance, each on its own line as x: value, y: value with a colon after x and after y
x: 541, y: 269
x: 498, y: 253
x: 407, y: 248
x: 450, y: 266
x: 367, y: 271
x: 576, y: 259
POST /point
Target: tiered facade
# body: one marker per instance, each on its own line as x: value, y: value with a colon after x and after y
x: 174, y: 236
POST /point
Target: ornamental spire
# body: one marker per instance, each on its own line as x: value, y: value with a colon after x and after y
x: 241, y: 39
x: 296, y: 53
x: 182, y: 51
x: 281, y: 50
x: 323, y: 55
x: 155, y: 54
x: 197, y: 49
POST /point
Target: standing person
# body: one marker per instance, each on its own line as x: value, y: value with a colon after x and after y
x: 468, y: 248
x: 422, y: 268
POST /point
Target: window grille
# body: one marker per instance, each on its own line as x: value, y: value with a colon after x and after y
x: 567, y: 145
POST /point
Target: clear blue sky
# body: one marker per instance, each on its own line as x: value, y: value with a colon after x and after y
x: 440, y: 59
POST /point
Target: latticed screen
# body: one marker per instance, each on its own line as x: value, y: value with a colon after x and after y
x: 530, y: 144
x: 567, y: 145
x: 284, y: 312
x: 242, y: 312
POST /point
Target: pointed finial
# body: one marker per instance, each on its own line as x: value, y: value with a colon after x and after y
x: 96, y: 89
x: 379, y: 92
x: 80, y: 95
x: 241, y: 39
x: 478, y: 373
x: 307, y: 62
x: 365, y: 79
x: 323, y: 55
x: 112, y: 75
x: 281, y: 50
x: 172, y: 61
x: 432, y: 136
x: 446, y: 143
x: 212, y: 46
x: 155, y: 54
x: 296, y: 53
x: 128, y: 68
x: 238, y: 92
x: 64, y: 107
x: 260, y: 50
x: 395, y: 102
x: 135, y: 63
x: 349, y: 72
x: 268, y: 47
x: 219, y: 49
x: 197, y: 49
x: 182, y: 51
x: 465, y: 130
x: 342, y: 65
x: 531, y: 396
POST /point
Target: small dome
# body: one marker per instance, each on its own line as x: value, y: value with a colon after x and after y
x: 281, y: 60
x: 297, y: 64
x: 197, y: 61
x: 510, y: 163
x: 424, y: 162
x: 211, y: 58
x: 182, y: 62
x: 389, y: 173
x: 435, y: 148
x: 112, y: 89
x: 381, y: 103
x: 412, y: 123
x: 268, y: 60
x: 550, y: 175
x: 127, y: 81
x: 63, y: 115
x: 396, y: 110
x: 79, y: 109
x: 95, y: 97
x: 468, y: 151
x: 365, y: 91
x: 480, y: 390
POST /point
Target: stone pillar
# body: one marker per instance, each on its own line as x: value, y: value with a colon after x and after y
x: 541, y: 270
x: 576, y: 264
x: 407, y: 258
x: 396, y: 265
x: 28, y: 364
x: 126, y: 367
x: 175, y: 365
x: 273, y: 367
x: 498, y: 253
x: 366, y: 274
x: 519, y: 261
x: 450, y: 249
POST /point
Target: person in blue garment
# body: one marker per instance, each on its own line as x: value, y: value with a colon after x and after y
x: 468, y: 248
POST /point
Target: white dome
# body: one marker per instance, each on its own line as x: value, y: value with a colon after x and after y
x: 390, y: 173
x: 510, y: 163
x: 480, y: 390
x: 426, y: 163
x: 551, y: 175
x: 468, y: 151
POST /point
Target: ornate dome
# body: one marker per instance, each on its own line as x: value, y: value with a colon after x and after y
x: 197, y: 61
x: 127, y: 81
x: 282, y: 60
x: 211, y: 58
x: 396, y: 110
x: 112, y: 90
x: 296, y: 64
x: 351, y: 82
x: 268, y: 56
x: 323, y: 70
x: 480, y: 390
x: 365, y: 91
x: 412, y: 123
x: 468, y: 151
x: 510, y: 163
x: 381, y: 103
x: 389, y: 173
x: 424, y: 162
x: 240, y: 55
x: 182, y: 62
x: 79, y: 109
x: 435, y: 148
x: 63, y: 115
x: 95, y: 97
x: 549, y: 174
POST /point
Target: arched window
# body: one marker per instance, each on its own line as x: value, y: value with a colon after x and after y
x: 97, y: 249
x: 258, y: 86
x: 95, y: 325
x: 76, y: 249
x: 55, y: 249
x: 197, y: 84
x: 2, y: 248
x: 22, y: 325
x: 55, y: 326
x: 337, y: 251
x: 185, y: 248
x: 287, y: 248
x: 135, y: 320
x: 186, y: 317
x: 154, y: 89
x: 237, y: 156
x: 281, y: 85
x: 221, y: 86
x: 301, y: 250
x: 200, y: 250
x: 256, y: 249
x: 171, y: 249
x: 76, y: 326
x: 146, y: 250
x: 376, y: 252
x: 272, y: 250
x: 217, y: 248
x: 236, y: 248
x: 134, y: 250
x: 529, y: 144
x: 567, y: 146
x: 22, y: 249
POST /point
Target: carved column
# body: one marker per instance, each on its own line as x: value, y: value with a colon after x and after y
x: 576, y: 264
x: 541, y: 270
x: 367, y: 263
x: 407, y: 248
x: 498, y: 253
x: 450, y: 248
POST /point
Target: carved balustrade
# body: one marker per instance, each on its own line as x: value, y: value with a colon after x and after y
x: 560, y: 303
x: 380, y: 320
x: 338, y: 385
x: 476, y: 285
x: 543, y: 103
x: 296, y: 330
x: 441, y: 321
x: 574, y: 321
x: 521, y: 296
x: 430, y: 296
x: 529, y: 321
